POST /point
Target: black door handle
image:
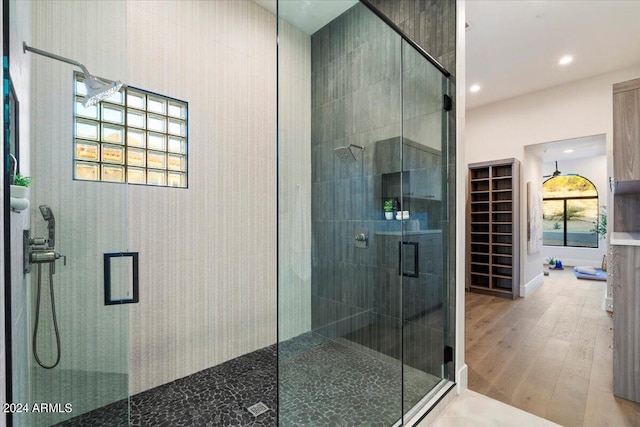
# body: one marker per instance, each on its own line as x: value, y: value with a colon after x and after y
x: 415, y: 272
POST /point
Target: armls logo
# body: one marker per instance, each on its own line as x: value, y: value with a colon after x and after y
x: 52, y: 407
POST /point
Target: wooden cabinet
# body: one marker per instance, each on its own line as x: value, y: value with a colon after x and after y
x: 624, y: 271
x: 493, y: 249
x: 626, y: 131
x: 626, y: 155
x: 625, y: 277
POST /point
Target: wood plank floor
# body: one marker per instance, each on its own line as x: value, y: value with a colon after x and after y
x: 549, y: 353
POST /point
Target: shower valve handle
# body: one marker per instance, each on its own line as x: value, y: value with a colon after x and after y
x: 38, y: 241
x: 47, y: 256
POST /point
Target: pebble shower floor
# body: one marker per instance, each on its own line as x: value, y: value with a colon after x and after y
x: 323, y: 383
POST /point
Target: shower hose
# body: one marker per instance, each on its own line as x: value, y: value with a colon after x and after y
x: 53, y: 313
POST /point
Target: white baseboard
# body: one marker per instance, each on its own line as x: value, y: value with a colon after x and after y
x: 462, y: 379
x: 531, y: 285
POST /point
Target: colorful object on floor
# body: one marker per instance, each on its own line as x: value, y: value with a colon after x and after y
x: 590, y: 273
x: 558, y: 265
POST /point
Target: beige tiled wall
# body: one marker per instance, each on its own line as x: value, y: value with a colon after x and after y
x: 207, y: 253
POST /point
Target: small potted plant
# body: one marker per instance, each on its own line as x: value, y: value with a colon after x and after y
x: 552, y: 262
x: 600, y: 226
x: 388, y: 209
x: 19, y: 186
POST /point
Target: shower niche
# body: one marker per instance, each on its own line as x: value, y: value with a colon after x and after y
x: 420, y: 184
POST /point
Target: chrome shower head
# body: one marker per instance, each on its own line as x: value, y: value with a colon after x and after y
x: 97, y: 88
x: 345, y: 153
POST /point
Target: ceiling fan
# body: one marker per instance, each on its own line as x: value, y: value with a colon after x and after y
x: 558, y: 173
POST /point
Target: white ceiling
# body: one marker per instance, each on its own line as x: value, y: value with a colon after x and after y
x: 308, y: 15
x: 513, y: 46
x: 588, y: 146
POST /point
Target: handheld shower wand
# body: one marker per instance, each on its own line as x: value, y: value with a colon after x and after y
x: 47, y: 214
x: 42, y: 251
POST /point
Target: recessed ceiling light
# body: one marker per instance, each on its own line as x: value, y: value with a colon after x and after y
x: 568, y: 150
x: 474, y: 88
x: 565, y: 60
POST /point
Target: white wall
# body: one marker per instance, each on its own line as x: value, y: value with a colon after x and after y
x: 461, y: 195
x: 530, y: 171
x: 594, y: 169
x: 503, y: 129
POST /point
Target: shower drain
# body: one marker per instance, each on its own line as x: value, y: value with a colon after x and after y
x: 258, y: 409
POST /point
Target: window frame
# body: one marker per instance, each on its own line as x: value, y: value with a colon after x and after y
x: 564, y: 216
x: 78, y: 77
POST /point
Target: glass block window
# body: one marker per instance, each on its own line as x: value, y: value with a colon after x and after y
x: 134, y: 137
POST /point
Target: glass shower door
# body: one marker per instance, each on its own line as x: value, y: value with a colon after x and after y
x: 83, y: 220
x: 339, y: 291
x: 362, y: 294
x: 425, y: 195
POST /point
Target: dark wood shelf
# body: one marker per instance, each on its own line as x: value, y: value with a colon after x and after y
x: 488, y: 290
x: 627, y: 187
x: 502, y: 179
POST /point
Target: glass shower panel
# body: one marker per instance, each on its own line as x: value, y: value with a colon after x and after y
x: 424, y: 199
x: 339, y: 159
x: 90, y: 384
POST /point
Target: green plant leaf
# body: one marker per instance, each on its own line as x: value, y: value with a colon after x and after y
x: 22, y: 181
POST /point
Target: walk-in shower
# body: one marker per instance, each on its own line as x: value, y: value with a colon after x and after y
x: 269, y: 288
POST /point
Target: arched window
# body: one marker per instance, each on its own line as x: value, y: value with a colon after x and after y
x: 569, y: 212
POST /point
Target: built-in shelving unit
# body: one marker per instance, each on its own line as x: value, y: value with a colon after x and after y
x: 493, y: 236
